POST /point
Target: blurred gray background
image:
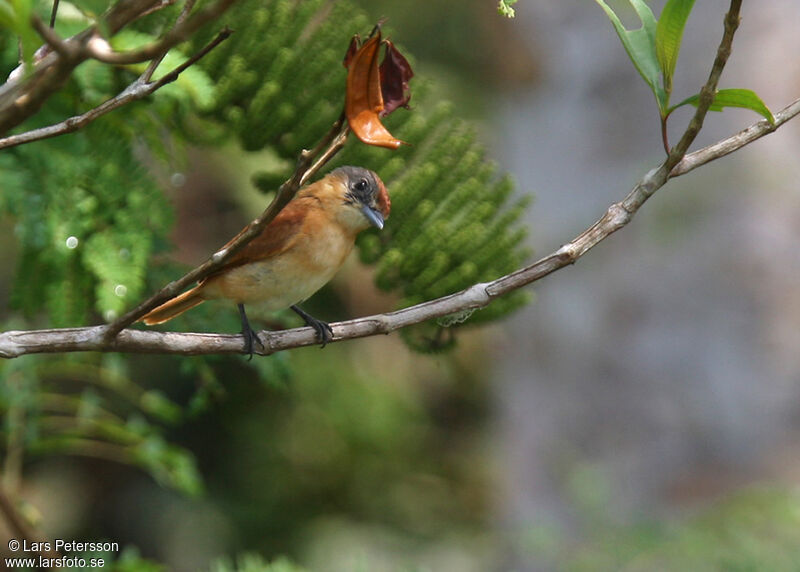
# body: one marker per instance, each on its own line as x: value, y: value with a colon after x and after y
x: 663, y: 367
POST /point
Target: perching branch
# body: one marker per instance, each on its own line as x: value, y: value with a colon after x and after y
x: 139, y: 89
x: 115, y: 338
x: 17, y: 343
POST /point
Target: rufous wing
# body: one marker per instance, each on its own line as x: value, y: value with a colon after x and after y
x: 278, y: 237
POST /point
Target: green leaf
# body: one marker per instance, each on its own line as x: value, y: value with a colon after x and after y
x: 669, y: 33
x: 641, y: 46
x: 744, y: 98
x: 504, y: 8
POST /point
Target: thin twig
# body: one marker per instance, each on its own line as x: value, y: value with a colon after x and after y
x: 620, y: 214
x: 136, y: 90
x: 709, y: 90
x: 664, y: 135
x: 177, y: 34
x: 221, y: 36
x: 735, y: 142
x: 49, y: 35
x: 53, y: 14
x: 158, y: 6
x: 333, y: 148
x: 153, y: 65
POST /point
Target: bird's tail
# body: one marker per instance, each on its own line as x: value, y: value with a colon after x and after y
x: 175, y: 307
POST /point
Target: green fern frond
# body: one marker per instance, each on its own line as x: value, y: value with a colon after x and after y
x: 112, y: 417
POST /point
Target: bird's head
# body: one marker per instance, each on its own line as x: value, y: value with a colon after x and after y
x: 365, y: 200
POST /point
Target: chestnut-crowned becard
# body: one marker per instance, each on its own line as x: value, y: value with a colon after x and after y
x: 297, y: 253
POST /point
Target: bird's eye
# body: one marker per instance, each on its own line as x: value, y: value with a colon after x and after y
x: 361, y: 185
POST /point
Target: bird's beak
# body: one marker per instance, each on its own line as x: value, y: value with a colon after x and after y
x: 373, y: 216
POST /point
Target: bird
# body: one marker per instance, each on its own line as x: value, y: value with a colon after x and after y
x: 295, y: 255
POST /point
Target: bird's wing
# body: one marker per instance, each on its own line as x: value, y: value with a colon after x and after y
x: 278, y: 237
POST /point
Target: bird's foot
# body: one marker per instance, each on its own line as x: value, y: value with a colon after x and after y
x: 249, y: 334
x: 323, y: 330
x: 250, y: 340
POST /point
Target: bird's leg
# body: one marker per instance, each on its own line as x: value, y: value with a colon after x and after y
x: 249, y: 334
x: 322, y: 329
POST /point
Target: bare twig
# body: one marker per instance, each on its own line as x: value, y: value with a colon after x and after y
x: 52, y: 39
x: 221, y: 36
x: 330, y: 151
x: 180, y: 32
x: 619, y: 214
x: 153, y: 65
x: 735, y: 142
x: 139, y: 89
x: 53, y: 14
x: 158, y: 6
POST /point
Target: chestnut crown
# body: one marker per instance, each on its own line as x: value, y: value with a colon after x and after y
x: 366, y: 191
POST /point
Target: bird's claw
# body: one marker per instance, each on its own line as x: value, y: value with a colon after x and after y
x: 250, y: 339
x: 323, y: 330
x: 249, y: 334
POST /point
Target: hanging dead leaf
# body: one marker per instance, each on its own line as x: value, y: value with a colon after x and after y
x: 395, y: 72
x: 355, y: 43
x: 369, y: 86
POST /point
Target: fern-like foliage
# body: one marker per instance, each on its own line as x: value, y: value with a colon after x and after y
x: 92, y: 408
x: 87, y: 216
x: 453, y: 223
x: 87, y: 212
